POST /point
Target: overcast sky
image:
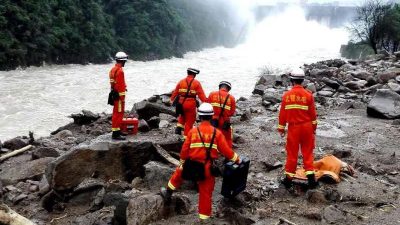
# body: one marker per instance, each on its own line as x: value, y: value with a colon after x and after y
x: 347, y: 2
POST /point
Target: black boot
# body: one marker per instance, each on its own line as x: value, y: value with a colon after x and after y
x: 117, y: 136
x: 287, y: 183
x: 312, y: 182
x: 178, y: 130
x: 166, y: 194
x: 122, y: 133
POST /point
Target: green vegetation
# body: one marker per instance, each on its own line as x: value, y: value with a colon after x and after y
x: 69, y: 31
x: 378, y: 24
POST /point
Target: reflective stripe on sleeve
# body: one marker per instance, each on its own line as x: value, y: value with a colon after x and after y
x: 235, y: 157
x: 182, y: 161
x: 115, y: 129
x: 121, y: 93
x: 119, y: 105
x: 296, y: 106
x: 314, y: 122
x: 281, y: 126
x: 179, y: 125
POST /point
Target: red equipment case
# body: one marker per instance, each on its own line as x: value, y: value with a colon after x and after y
x: 130, y: 125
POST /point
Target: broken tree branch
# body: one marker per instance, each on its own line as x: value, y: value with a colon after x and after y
x: 283, y: 220
x: 165, y: 155
x: 9, y: 216
x: 14, y: 153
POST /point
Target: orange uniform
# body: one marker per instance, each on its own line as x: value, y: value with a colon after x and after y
x: 117, y: 82
x: 188, y: 118
x: 194, y: 149
x: 217, y: 100
x: 298, y: 110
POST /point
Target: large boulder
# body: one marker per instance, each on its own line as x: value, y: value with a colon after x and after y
x: 32, y: 170
x: 146, y: 109
x: 156, y: 175
x: 259, y: 89
x: 384, y: 77
x: 361, y: 74
x: 147, y: 208
x: 385, y: 104
x: 86, y: 117
x: 330, y: 83
x: 16, y: 143
x: 394, y: 87
x: 104, y: 160
x: 43, y: 152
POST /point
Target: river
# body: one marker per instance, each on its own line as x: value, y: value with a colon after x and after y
x: 40, y: 99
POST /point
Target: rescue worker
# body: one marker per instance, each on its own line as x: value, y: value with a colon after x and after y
x: 224, y: 105
x: 117, y: 82
x: 298, y: 111
x: 186, y: 91
x: 195, y: 148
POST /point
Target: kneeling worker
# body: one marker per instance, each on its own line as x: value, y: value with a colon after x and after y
x: 224, y: 105
x: 298, y: 110
x: 195, y: 148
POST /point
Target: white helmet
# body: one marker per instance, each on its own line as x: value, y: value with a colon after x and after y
x: 206, y: 109
x: 122, y: 56
x: 228, y: 84
x: 297, y: 74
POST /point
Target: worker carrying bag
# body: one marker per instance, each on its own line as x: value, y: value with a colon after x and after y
x: 215, y: 122
x: 112, y: 96
x: 178, y: 105
x: 195, y: 170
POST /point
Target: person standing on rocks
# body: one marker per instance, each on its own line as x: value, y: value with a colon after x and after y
x: 298, y: 111
x: 118, y: 85
x: 196, y: 150
x: 184, y: 99
x: 224, y: 105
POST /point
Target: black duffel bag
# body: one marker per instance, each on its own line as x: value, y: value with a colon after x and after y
x: 112, y: 96
x: 193, y: 170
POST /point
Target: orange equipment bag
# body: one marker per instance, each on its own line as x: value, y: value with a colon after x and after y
x: 130, y: 125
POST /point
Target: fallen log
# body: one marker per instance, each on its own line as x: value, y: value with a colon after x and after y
x: 165, y: 155
x: 10, y: 217
x: 14, y: 153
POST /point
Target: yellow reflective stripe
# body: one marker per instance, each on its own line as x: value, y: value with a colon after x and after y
x: 203, y: 217
x: 115, y: 129
x: 171, y: 186
x: 182, y: 161
x: 182, y: 90
x: 185, y: 90
x: 296, y: 106
x: 235, y: 157
x: 179, y: 125
x: 121, y: 93
x: 309, y: 172
x: 119, y: 105
x: 200, y: 145
x: 112, y: 80
x: 227, y: 107
x: 281, y: 126
x: 290, y: 174
x: 314, y: 122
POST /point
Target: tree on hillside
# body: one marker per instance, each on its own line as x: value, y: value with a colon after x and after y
x: 377, y: 24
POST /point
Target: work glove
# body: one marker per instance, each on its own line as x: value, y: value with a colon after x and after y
x: 238, y: 160
x: 282, y: 132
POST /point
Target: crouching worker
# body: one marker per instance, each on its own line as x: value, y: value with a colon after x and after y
x: 199, y: 150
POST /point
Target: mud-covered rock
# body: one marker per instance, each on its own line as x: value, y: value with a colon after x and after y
x: 146, y: 109
x: 16, y: 143
x: 154, y: 122
x: 331, y: 83
x: 32, y: 170
x: 43, y: 152
x: 333, y: 215
x: 156, y: 175
x: 145, y: 209
x: 259, y: 89
x: 272, y: 96
x: 394, y: 87
x: 63, y: 135
x: 143, y: 126
x: 384, y: 77
x: 104, y: 160
x: 385, y: 104
x: 325, y: 93
x: 361, y: 74
x: 85, y: 117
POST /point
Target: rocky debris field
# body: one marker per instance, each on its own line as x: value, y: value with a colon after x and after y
x: 78, y: 175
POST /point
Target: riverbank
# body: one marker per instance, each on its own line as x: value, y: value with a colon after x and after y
x: 82, y: 177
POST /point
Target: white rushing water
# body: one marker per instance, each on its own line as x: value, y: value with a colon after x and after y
x: 41, y: 98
